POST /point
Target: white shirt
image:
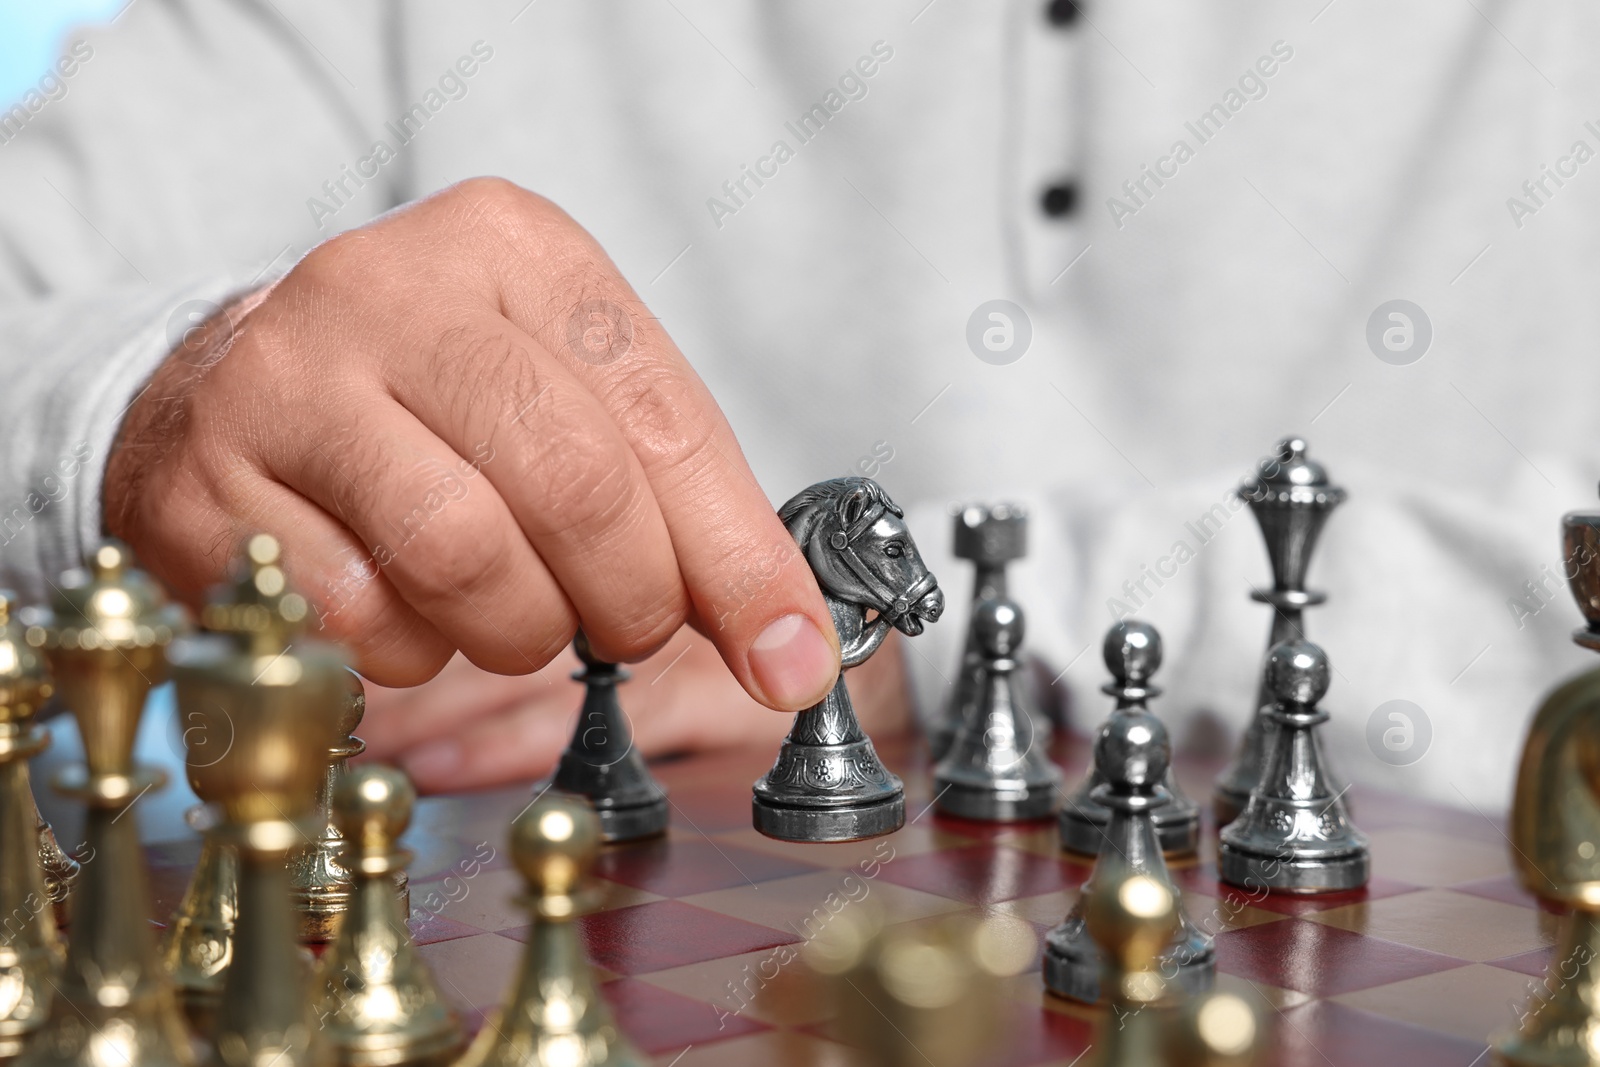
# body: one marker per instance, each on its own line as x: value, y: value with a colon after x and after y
x: 816, y: 198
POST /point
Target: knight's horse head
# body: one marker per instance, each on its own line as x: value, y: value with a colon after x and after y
x: 856, y: 542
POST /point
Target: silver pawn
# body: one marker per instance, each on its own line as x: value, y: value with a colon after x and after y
x: 1132, y: 653
x: 1132, y: 754
x: 990, y: 536
x: 997, y: 769
x: 1295, y: 835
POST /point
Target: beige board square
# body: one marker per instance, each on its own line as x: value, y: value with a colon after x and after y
x: 1423, y: 857
x: 1473, y: 1002
x: 1444, y: 921
x: 473, y: 972
x: 485, y: 901
x: 1047, y: 909
x: 803, y: 905
x: 769, y: 986
x: 616, y: 895
x: 909, y: 840
x: 777, y: 1048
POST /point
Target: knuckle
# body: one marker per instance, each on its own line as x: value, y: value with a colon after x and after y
x: 471, y: 362
x: 582, y: 482
x: 449, y: 554
x: 357, y: 483
x: 500, y: 205
x: 335, y: 263
x: 668, y: 434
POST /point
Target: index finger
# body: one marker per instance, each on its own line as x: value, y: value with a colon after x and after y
x: 751, y: 591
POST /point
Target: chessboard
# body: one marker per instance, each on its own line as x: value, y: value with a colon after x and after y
x: 697, y: 941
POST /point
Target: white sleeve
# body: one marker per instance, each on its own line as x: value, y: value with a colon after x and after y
x: 134, y: 182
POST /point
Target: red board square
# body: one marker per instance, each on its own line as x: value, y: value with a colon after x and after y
x: 981, y: 830
x: 659, y: 1021
x: 710, y: 811
x: 1321, y: 960
x: 1330, y: 1034
x: 985, y: 874
x: 680, y: 867
x: 1033, y: 1036
x: 665, y: 933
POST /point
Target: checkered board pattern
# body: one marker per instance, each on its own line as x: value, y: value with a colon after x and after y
x: 1436, y: 954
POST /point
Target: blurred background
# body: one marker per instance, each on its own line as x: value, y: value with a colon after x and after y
x: 31, y: 35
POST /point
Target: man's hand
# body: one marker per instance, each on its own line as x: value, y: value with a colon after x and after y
x: 469, y: 433
x: 467, y: 729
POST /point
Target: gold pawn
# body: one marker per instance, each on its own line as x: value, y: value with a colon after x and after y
x: 1554, y: 834
x: 106, y: 637
x: 322, y: 880
x: 60, y: 869
x: 555, y: 1016
x: 199, y: 943
x: 1132, y: 919
x: 378, y: 1005
x: 30, y: 948
x: 908, y: 992
x: 272, y: 697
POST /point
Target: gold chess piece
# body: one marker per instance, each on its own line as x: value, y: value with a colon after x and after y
x: 105, y: 637
x: 555, y: 1016
x: 377, y: 1002
x: 915, y: 995
x: 1555, y: 838
x: 30, y: 948
x: 1216, y: 1030
x: 267, y: 698
x: 60, y: 869
x: 199, y: 943
x: 1132, y: 919
x: 323, y: 883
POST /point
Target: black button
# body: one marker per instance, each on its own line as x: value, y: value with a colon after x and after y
x: 1059, y: 199
x: 1061, y: 12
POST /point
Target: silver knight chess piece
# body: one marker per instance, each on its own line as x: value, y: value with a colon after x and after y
x: 991, y: 536
x: 601, y: 764
x: 1294, y: 835
x: 828, y: 783
x: 997, y: 769
x: 1132, y: 754
x: 1132, y: 653
x: 1291, y: 498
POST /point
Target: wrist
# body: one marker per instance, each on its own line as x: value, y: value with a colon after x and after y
x: 158, y: 416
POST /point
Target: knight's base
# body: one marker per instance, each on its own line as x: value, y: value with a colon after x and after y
x: 1178, y: 837
x: 990, y: 805
x: 829, y: 824
x: 1078, y: 978
x: 1320, y: 874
